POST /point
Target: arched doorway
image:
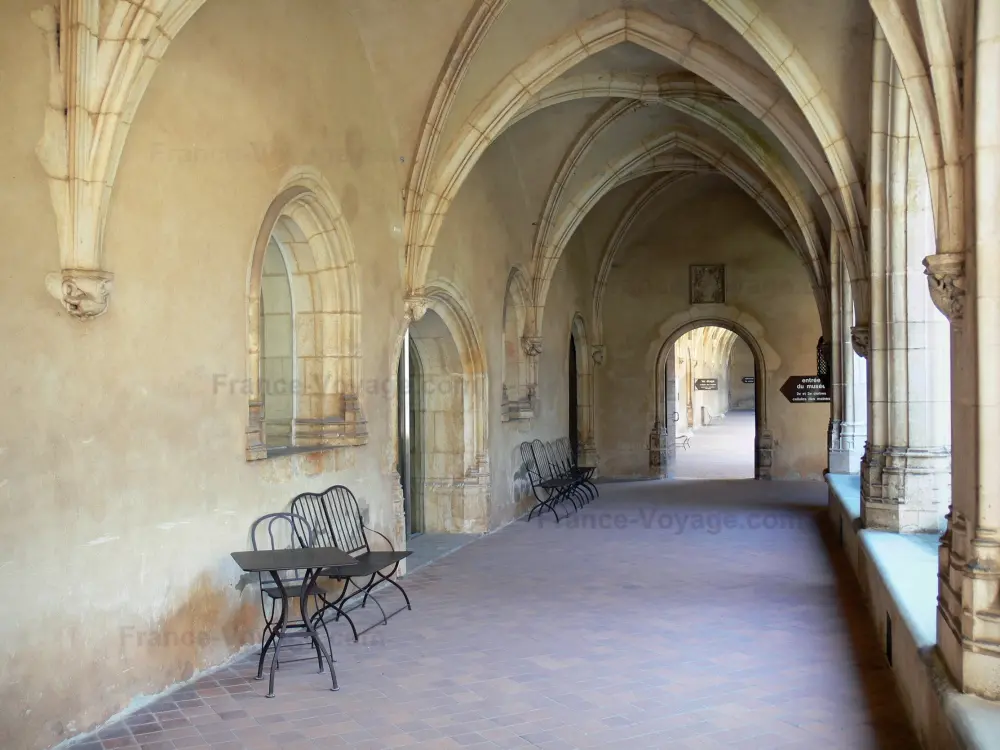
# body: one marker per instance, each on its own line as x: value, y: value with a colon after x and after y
x: 411, y: 445
x: 574, y: 406
x: 694, y: 392
x: 441, y: 452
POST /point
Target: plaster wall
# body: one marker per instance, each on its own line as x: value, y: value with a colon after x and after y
x: 710, y: 222
x: 123, y: 479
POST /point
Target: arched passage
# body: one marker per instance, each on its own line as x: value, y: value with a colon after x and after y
x: 447, y: 411
x: 663, y: 436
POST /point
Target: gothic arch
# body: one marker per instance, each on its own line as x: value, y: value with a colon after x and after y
x: 766, y: 363
x: 678, y: 151
x: 519, y: 378
x: 621, y: 230
x: 698, y: 100
x: 305, y: 220
x: 445, y: 299
x: 935, y: 99
x: 680, y: 45
x: 96, y: 83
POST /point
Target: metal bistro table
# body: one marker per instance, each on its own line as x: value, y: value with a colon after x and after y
x: 311, y: 559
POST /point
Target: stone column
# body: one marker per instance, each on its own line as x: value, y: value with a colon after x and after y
x: 969, y: 573
x: 906, y: 474
x: 849, y: 377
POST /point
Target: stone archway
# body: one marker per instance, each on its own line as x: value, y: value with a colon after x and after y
x: 454, y: 400
x: 766, y: 362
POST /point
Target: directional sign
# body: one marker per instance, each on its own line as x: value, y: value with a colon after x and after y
x: 706, y: 384
x: 748, y: 380
x: 806, y: 389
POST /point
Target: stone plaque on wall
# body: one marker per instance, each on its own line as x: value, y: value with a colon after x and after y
x: 708, y: 285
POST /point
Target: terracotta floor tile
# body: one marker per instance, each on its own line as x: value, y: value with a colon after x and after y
x: 584, y: 635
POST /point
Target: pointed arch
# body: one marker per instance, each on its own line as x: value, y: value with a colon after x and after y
x: 519, y: 378
x: 618, y: 235
x: 445, y: 299
x: 935, y: 100
x: 699, y: 101
x: 680, y: 45
x: 678, y: 151
x: 306, y: 222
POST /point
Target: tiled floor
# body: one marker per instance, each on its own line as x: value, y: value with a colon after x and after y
x: 720, y: 451
x: 666, y: 615
x: 427, y: 548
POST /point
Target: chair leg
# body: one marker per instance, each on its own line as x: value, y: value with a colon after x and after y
x: 393, y: 582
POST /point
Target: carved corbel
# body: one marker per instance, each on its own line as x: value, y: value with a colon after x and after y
x: 532, y: 345
x: 84, y: 294
x: 860, y: 340
x: 414, y: 307
x: 598, y: 354
x: 69, y: 152
x: 946, y: 280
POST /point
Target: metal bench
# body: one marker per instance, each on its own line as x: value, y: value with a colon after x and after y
x: 563, y: 451
x: 549, y: 489
x: 682, y: 441
x: 335, y: 518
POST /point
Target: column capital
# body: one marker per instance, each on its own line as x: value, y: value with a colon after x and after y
x: 532, y: 345
x: 946, y: 280
x: 414, y: 307
x: 860, y: 339
x: 83, y: 293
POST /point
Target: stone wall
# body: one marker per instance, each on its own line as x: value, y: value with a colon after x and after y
x: 125, y: 483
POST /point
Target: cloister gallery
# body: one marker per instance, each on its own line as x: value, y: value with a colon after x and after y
x: 256, y: 248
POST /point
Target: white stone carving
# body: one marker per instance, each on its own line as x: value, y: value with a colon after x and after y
x: 532, y: 345
x: 414, y: 307
x: 946, y: 280
x: 84, y: 294
x: 598, y: 354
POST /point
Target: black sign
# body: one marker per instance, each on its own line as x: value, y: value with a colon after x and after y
x: 748, y: 380
x: 806, y: 389
x: 706, y: 384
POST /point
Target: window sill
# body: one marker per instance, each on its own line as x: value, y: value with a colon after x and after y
x: 260, y: 452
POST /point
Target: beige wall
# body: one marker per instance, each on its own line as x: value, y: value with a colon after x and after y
x: 764, y: 280
x: 124, y: 485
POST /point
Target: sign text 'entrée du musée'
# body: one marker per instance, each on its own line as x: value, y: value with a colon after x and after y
x: 806, y: 389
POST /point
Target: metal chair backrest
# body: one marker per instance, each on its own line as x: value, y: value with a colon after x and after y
x: 567, y: 451
x: 544, y: 460
x: 274, y: 531
x: 562, y: 450
x: 556, y: 458
x: 335, y: 516
x: 531, y: 463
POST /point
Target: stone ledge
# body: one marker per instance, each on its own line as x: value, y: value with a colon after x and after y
x: 898, y: 573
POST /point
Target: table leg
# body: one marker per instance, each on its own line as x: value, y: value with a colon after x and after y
x: 281, y: 630
x: 308, y: 582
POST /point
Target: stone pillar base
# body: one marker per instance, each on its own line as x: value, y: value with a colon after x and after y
x: 905, y: 490
x: 765, y: 453
x: 974, y: 666
x: 659, y: 452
